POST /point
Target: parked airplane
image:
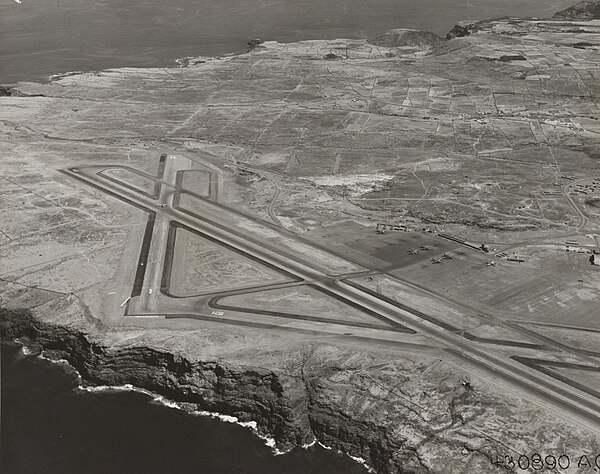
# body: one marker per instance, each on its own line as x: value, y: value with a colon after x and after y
x: 436, y: 260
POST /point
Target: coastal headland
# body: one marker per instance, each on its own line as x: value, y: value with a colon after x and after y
x: 386, y: 245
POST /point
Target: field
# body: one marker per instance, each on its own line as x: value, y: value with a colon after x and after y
x: 201, y: 266
x: 260, y: 212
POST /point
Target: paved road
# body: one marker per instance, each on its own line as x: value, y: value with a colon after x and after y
x: 158, y: 244
x: 221, y: 226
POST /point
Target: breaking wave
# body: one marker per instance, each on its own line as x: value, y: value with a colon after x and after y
x: 356, y: 459
x: 186, y: 407
x: 156, y: 398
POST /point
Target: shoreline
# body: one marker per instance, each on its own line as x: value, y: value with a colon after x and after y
x: 252, y: 426
x: 209, y: 39
x: 161, y: 400
x: 184, y: 61
x: 290, y: 390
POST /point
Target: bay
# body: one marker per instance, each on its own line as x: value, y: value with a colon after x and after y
x: 39, y: 38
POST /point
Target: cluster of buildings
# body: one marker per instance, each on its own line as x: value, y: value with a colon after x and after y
x: 573, y: 246
x: 592, y: 187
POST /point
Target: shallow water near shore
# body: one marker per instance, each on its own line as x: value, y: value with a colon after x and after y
x: 39, y: 38
x: 48, y: 426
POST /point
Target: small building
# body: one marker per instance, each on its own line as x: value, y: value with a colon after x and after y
x: 595, y: 259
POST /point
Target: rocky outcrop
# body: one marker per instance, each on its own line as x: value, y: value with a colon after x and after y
x: 293, y: 417
x: 586, y: 10
x: 254, y: 43
x: 375, y: 443
x: 406, y: 38
x: 11, y: 91
x: 248, y: 393
x: 341, y: 400
x: 463, y: 28
x: 295, y: 406
x: 402, y: 409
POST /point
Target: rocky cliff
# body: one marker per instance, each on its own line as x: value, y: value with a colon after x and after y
x: 406, y: 38
x: 583, y: 11
x: 406, y: 406
x: 289, y: 408
x: 248, y: 393
x: 411, y: 414
x: 285, y: 407
x: 586, y: 10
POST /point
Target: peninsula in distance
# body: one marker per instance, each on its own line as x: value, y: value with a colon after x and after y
x: 387, y: 246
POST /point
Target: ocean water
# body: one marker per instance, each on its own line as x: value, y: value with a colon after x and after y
x: 46, y: 425
x: 43, y: 37
x: 50, y: 427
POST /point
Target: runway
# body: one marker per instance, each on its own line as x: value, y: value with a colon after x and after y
x: 301, y: 263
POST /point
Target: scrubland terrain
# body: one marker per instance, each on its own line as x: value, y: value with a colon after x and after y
x: 382, y: 244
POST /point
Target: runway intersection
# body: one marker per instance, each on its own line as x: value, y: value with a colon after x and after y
x: 530, y: 362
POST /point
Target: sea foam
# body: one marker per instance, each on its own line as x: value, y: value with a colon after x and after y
x: 26, y: 350
x: 356, y: 459
x: 156, y: 398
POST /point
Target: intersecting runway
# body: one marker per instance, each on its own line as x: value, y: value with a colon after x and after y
x: 528, y: 363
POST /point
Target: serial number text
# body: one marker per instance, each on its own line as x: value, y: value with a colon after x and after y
x: 549, y: 462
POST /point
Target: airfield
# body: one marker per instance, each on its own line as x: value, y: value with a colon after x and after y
x: 371, y: 204
x: 200, y: 260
